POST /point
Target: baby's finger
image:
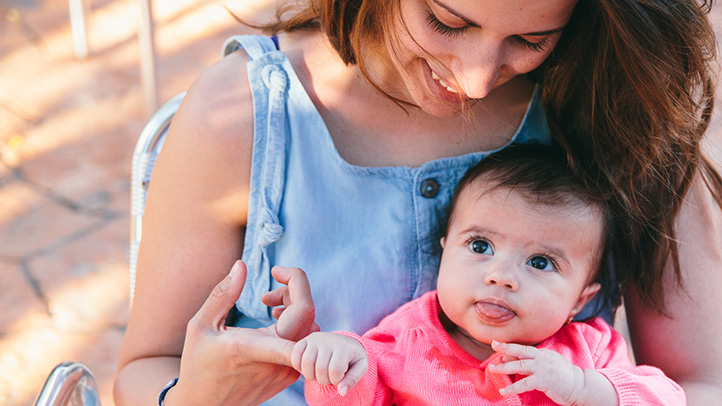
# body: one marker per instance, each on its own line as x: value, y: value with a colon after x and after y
x: 353, y: 376
x: 520, y: 386
x: 323, y: 358
x: 516, y: 350
x: 297, y: 355
x: 308, y: 363
x: 337, y: 368
x: 508, y: 358
x: 522, y: 366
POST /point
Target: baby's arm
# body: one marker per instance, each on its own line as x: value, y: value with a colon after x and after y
x: 551, y: 373
x: 331, y: 359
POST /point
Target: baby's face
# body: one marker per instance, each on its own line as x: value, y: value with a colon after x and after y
x: 513, y: 271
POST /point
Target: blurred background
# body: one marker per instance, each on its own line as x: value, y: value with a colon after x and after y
x: 68, y: 127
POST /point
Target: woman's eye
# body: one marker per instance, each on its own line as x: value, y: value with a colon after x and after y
x: 541, y: 263
x: 442, y: 28
x: 534, y: 46
x: 480, y: 247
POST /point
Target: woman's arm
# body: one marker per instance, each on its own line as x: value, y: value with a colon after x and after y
x: 192, y: 233
x: 688, y: 346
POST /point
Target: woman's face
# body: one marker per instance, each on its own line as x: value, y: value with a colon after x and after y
x: 453, y: 52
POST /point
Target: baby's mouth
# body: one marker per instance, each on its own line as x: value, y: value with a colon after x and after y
x: 492, y: 312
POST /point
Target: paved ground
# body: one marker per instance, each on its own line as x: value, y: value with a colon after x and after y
x: 67, y: 130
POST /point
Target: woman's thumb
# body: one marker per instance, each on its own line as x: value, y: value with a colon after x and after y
x: 223, y: 297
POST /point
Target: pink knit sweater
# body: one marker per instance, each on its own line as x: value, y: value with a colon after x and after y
x: 414, y: 361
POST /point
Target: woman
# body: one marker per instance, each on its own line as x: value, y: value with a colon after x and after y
x: 344, y: 147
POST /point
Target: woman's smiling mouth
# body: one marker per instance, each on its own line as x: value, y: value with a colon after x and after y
x: 442, y: 83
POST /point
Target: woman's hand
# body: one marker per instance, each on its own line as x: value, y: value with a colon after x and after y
x: 224, y: 365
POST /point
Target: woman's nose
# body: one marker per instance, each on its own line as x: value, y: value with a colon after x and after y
x: 479, y: 71
x: 503, y: 275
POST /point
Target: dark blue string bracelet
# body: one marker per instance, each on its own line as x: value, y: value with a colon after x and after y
x: 161, y: 395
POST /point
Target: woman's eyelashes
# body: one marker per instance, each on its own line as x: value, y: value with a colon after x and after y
x: 534, y: 46
x: 444, y: 29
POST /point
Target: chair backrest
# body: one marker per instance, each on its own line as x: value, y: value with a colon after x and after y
x: 146, y: 152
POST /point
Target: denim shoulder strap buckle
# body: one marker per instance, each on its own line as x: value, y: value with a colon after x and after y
x: 254, y: 45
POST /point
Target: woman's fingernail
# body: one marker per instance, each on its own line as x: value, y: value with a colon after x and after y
x: 234, y: 271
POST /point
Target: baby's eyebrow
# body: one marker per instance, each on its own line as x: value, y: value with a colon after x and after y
x: 556, y: 253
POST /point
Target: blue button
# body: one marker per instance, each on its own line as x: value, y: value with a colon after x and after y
x: 429, y: 188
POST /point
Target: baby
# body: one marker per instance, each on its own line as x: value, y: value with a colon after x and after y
x: 525, y: 250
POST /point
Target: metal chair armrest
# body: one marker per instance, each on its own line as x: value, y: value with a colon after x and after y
x: 69, y: 384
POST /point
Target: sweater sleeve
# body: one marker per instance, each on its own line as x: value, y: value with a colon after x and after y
x: 369, y: 391
x: 635, y: 385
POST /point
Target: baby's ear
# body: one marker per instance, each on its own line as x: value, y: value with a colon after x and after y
x: 443, y: 241
x: 587, y: 294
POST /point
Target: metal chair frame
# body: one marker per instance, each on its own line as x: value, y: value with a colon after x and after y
x: 145, y: 154
x: 69, y: 384
x: 72, y: 383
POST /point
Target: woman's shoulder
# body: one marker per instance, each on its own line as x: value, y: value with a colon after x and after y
x: 211, y: 136
x: 220, y: 99
x: 215, y: 118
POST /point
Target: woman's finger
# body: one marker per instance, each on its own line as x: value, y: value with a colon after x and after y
x: 299, y: 290
x: 277, y: 312
x: 214, y: 311
x: 261, y: 345
x: 296, y: 320
x: 275, y: 297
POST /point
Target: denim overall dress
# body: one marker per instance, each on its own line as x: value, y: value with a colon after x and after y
x: 368, y: 237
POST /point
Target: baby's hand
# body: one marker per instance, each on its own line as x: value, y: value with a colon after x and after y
x: 546, y: 370
x: 292, y: 304
x: 331, y: 359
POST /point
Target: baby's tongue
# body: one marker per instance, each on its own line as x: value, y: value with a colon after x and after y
x: 494, y: 313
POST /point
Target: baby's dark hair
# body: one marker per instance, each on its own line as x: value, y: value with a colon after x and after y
x: 541, y: 173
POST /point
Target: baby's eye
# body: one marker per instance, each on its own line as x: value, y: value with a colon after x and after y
x: 542, y: 263
x: 481, y: 247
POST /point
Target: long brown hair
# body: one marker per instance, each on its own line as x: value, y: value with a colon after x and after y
x: 628, y: 92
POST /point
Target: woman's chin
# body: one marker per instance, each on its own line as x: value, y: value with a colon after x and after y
x: 441, y: 108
